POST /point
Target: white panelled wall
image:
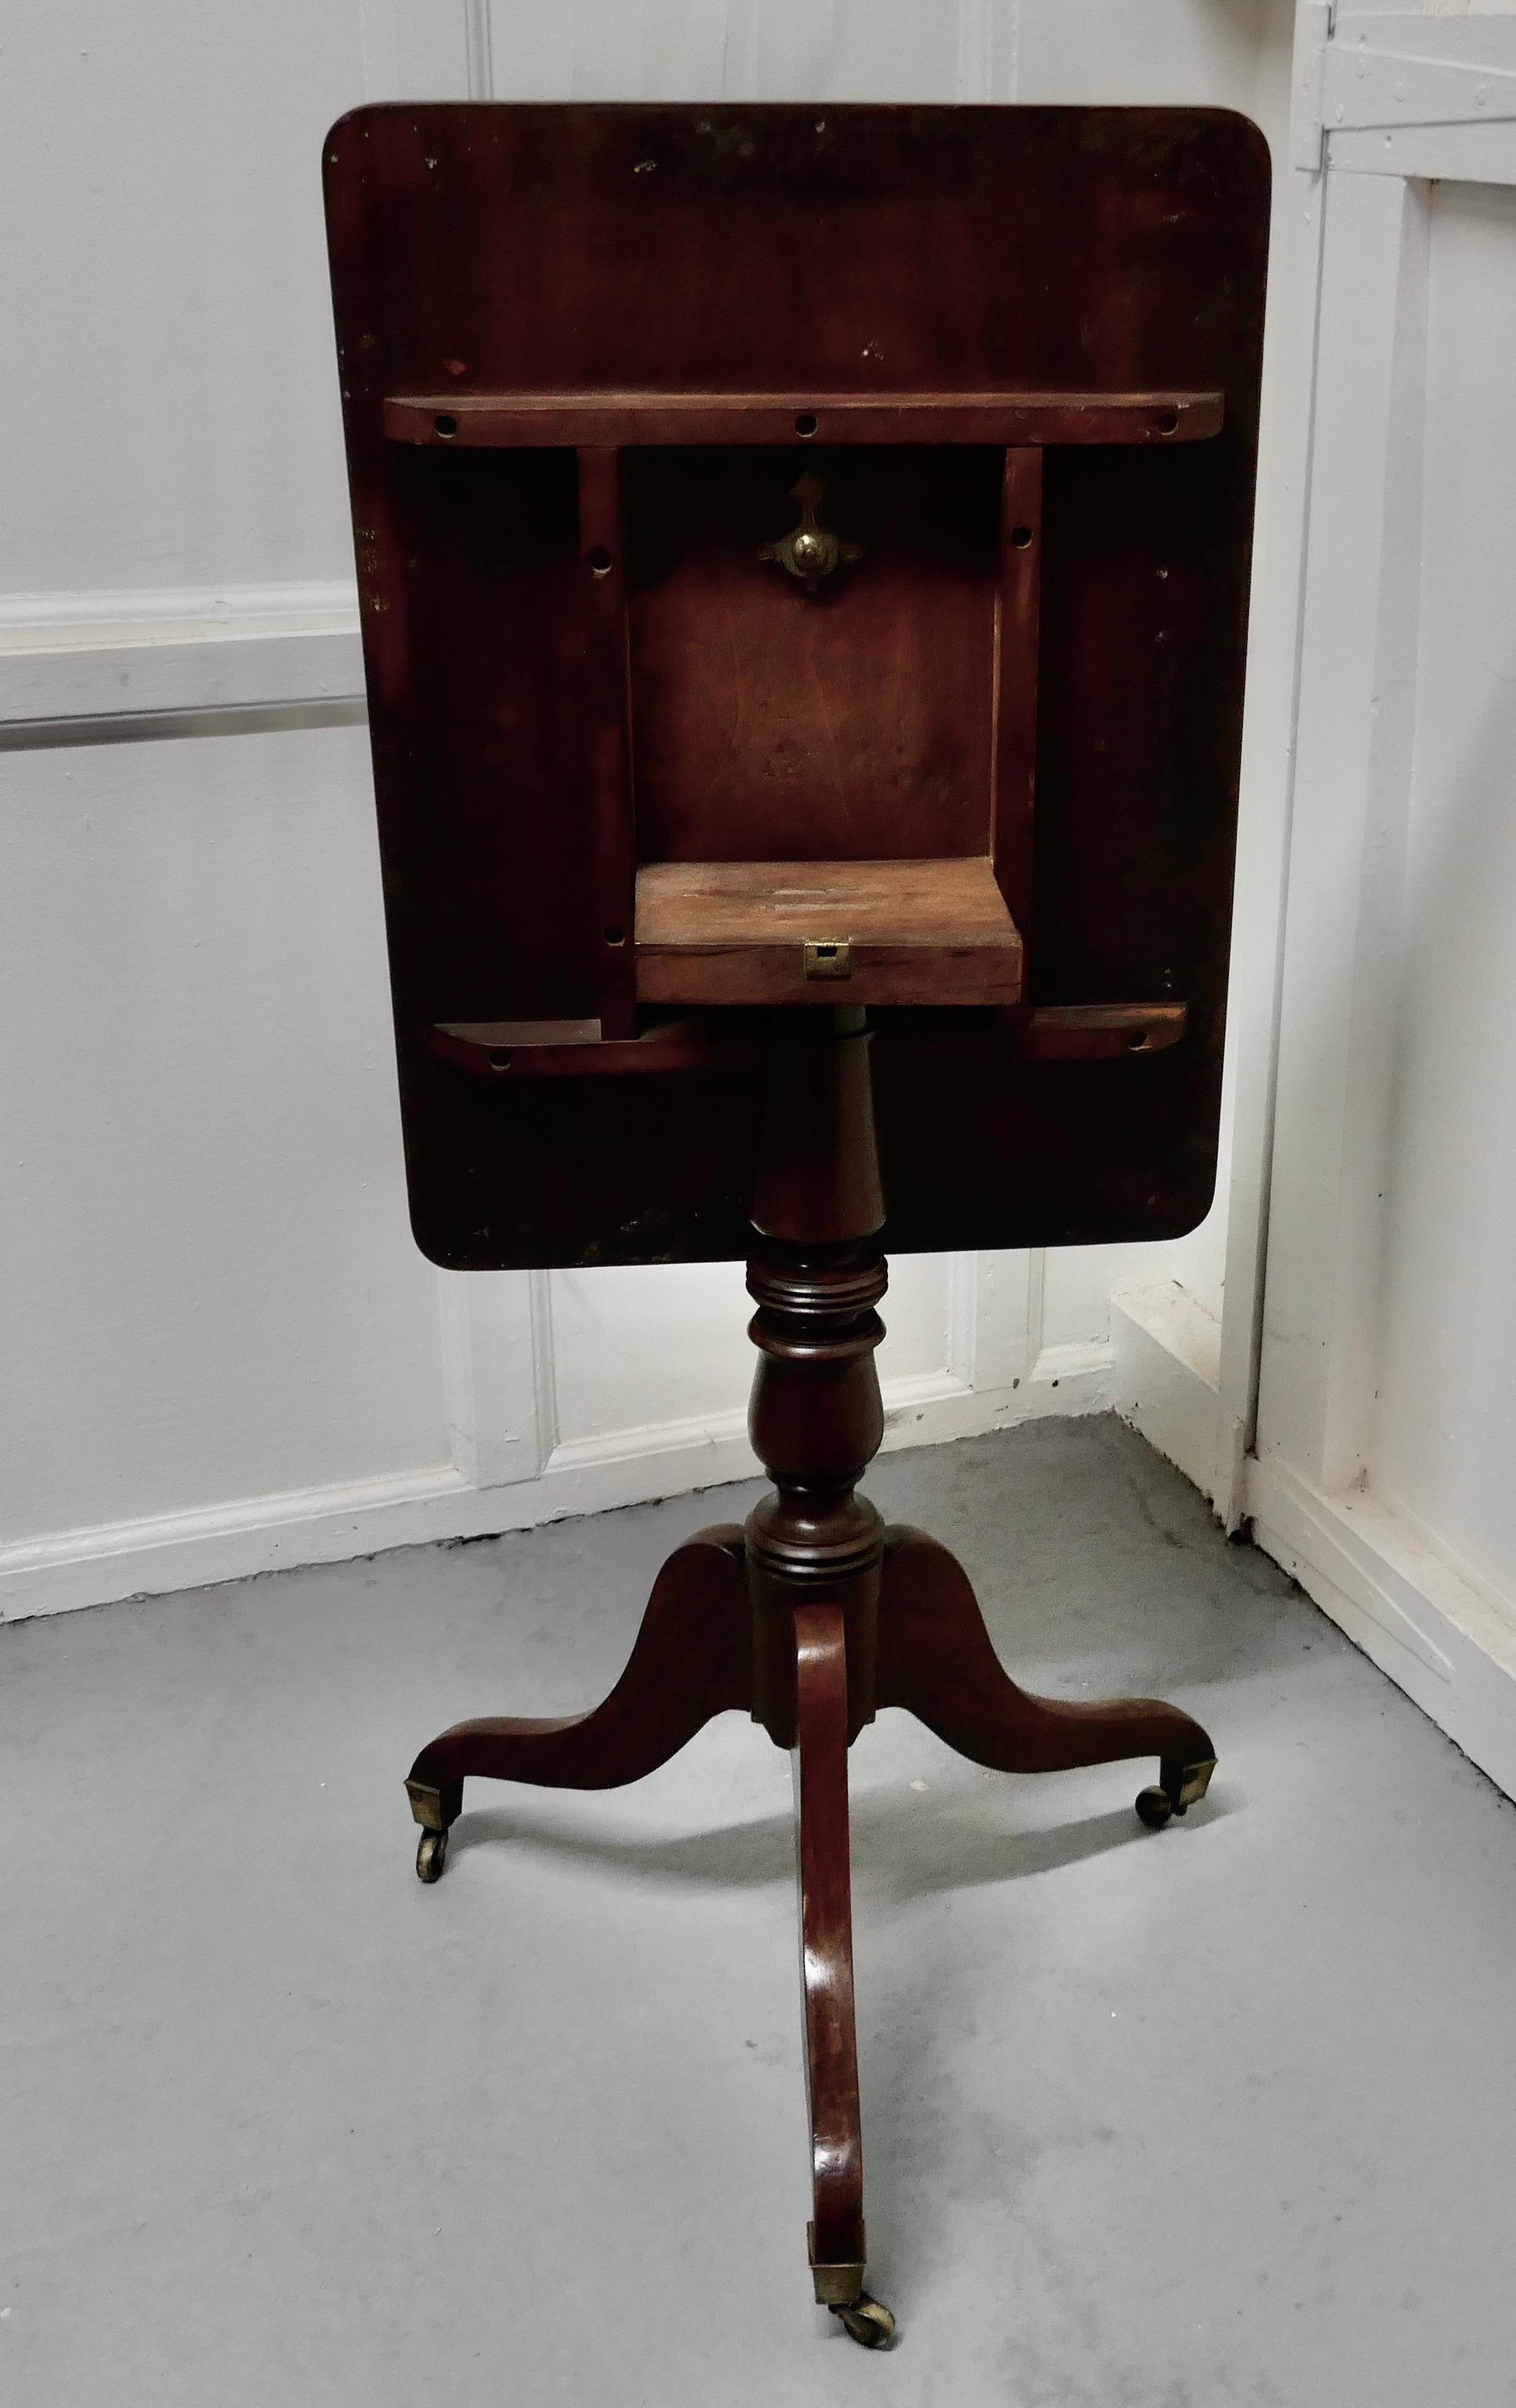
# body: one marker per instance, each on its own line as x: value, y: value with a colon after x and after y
x: 220, y: 1344
x: 221, y: 1349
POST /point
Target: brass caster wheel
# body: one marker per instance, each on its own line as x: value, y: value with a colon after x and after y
x: 1182, y: 1785
x: 431, y: 1855
x: 868, y: 2321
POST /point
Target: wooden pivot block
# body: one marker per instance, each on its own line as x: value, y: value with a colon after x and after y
x: 792, y: 932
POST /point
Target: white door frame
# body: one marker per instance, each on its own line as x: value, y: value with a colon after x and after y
x: 1385, y: 103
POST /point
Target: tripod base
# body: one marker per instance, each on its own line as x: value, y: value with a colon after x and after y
x: 813, y: 1615
x: 694, y: 1659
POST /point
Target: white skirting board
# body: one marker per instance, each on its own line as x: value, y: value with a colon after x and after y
x: 153, y: 1555
x: 1440, y: 1633
x: 1165, y: 1381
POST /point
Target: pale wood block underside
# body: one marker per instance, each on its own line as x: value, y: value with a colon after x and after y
x: 738, y: 933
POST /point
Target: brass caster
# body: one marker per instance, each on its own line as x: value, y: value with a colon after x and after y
x: 431, y: 1855
x: 1181, y: 1786
x: 868, y: 2322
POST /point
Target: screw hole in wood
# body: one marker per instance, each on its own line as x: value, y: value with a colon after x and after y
x: 598, y: 560
x: 615, y: 936
x: 805, y: 422
x: 445, y: 425
x: 1021, y: 537
x: 1166, y: 423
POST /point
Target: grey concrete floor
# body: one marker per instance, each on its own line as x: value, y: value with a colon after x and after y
x: 1225, y: 2114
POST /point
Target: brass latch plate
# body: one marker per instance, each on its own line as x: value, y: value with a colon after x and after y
x: 824, y: 960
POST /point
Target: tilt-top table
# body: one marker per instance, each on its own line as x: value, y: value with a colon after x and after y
x: 803, y: 565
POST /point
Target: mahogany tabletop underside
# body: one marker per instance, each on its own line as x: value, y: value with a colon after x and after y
x: 981, y: 778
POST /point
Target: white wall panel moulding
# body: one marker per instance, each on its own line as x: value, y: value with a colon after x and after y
x: 1406, y: 92
x: 1363, y: 87
x: 1313, y: 32
x: 1352, y: 752
x: 67, y: 657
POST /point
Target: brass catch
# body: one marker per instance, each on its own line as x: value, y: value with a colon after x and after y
x: 829, y: 960
x: 811, y: 552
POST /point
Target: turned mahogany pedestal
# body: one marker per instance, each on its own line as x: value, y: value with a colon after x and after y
x: 814, y: 1615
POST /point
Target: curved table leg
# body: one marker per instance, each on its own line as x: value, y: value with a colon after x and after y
x: 691, y: 1660
x: 820, y: 1765
x: 937, y: 1660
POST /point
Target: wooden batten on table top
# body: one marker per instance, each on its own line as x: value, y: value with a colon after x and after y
x: 869, y: 932
x: 618, y: 419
